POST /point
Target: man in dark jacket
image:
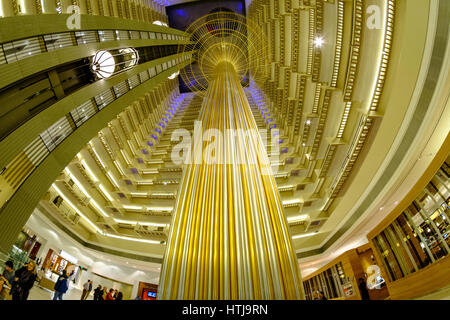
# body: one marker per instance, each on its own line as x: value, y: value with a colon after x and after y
x: 61, y: 286
x: 98, y: 292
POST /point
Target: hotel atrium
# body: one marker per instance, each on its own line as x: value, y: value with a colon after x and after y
x: 227, y: 150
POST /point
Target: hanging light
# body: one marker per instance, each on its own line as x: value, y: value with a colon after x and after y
x: 107, y: 63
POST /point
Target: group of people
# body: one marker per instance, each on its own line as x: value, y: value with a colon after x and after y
x: 20, y: 281
x: 103, y: 294
x: 99, y: 293
x: 319, y: 295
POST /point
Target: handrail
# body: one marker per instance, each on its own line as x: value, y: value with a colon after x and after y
x: 50, y: 138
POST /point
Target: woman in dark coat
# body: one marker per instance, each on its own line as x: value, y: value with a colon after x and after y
x: 23, y: 281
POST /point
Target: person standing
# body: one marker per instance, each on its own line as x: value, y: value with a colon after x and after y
x: 87, y: 288
x: 363, y: 289
x: 110, y: 295
x: 104, y: 293
x: 61, y: 286
x: 7, y: 277
x: 23, y: 281
x: 98, y: 292
x: 119, y: 296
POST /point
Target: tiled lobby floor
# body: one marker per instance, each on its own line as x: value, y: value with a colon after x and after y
x: 39, y: 293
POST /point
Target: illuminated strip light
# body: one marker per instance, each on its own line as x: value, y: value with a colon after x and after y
x: 150, y: 171
x: 76, y: 209
x: 125, y: 156
x: 79, y: 185
x: 338, y: 48
x: 143, y: 223
x: 113, y: 180
x: 304, y: 235
x: 298, y: 218
x: 310, y: 40
x: 92, y: 201
x: 132, y: 207
x: 105, y: 192
x: 132, y: 148
x: 384, y: 60
x: 89, y: 171
x: 344, y: 119
x: 97, y: 156
x: 96, y: 206
x: 291, y: 203
x: 139, y: 194
x: 119, y: 167
x: 160, y: 209
x: 132, y: 239
x: 354, y: 49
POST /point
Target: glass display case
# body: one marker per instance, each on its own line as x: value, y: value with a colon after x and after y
x: 419, y: 236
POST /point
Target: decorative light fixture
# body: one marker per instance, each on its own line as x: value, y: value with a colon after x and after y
x: 174, y: 75
x: 159, y: 23
x: 107, y: 63
x: 318, y: 42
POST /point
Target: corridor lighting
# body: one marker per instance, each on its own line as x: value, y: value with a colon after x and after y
x: 304, y: 235
x: 113, y: 180
x: 79, y: 185
x: 298, y: 218
x: 308, y: 122
x: 75, y: 208
x: 91, y: 174
x: 125, y: 156
x: 149, y: 171
x: 289, y: 202
x: 105, y: 192
x: 174, y: 75
x: 96, y: 154
x: 159, y: 208
x: 143, y: 223
x: 95, y: 204
x: 131, y: 239
x: 159, y: 23
x: 132, y: 207
x: 119, y: 167
x: 318, y: 42
x: 139, y: 194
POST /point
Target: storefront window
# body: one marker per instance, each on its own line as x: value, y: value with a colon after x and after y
x: 329, y: 282
x: 389, y: 260
x: 420, y: 235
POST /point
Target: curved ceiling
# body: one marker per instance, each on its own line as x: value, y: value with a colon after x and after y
x: 343, y: 93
